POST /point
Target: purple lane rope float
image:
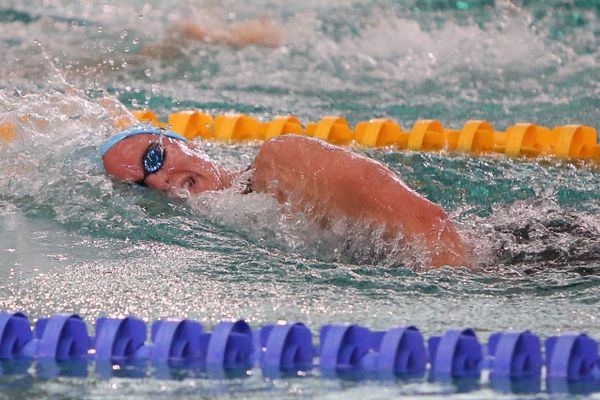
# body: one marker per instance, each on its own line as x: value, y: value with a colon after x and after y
x: 61, y: 344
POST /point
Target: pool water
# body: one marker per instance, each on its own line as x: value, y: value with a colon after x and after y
x: 73, y: 240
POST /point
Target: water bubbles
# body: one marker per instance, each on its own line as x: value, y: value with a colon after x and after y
x: 100, y: 29
x: 124, y: 34
x: 135, y: 41
x: 148, y: 72
x: 156, y: 89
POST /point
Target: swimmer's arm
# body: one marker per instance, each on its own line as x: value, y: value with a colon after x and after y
x: 261, y: 31
x: 310, y: 174
x: 122, y: 118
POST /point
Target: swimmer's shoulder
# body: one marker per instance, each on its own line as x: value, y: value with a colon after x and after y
x: 295, y: 145
x: 285, y: 153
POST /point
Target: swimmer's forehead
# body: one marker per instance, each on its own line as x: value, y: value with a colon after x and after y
x: 119, y: 137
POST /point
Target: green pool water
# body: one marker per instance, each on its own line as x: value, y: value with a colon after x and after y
x: 73, y: 240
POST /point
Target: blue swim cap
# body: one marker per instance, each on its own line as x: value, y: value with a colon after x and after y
x: 146, y: 130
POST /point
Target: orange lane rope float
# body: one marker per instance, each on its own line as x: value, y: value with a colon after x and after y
x: 475, y: 137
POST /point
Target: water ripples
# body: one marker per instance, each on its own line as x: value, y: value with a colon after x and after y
x: 75, y: 240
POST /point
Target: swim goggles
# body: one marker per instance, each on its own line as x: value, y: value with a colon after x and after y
x: 152, y: 160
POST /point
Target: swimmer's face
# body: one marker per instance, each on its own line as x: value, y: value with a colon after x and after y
x: 186, y: 168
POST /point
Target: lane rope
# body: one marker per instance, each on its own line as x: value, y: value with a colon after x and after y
x: 126, y: 346
x: 475, y: 137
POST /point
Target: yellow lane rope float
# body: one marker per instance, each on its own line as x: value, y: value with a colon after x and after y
x: 475, y: 137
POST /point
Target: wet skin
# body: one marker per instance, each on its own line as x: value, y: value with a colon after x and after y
x: 309, y: 175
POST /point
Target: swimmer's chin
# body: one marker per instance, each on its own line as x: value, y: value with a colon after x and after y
x: 181, y: 194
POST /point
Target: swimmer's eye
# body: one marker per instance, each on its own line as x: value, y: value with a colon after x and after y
x: 189, y: 182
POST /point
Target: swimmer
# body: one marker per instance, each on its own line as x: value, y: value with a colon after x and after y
x: 255, y: 32
x: 308, y: 174
x: 261, y: 32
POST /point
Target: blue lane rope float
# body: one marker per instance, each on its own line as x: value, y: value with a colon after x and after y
x: 61, y: 345
x: 514, y: 355
x: 456, y: 354
x: 285, y: 347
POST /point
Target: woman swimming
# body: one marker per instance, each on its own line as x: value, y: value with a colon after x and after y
x: 309, y: 175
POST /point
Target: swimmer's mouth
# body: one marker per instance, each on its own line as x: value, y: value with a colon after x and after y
x: 182, y: 189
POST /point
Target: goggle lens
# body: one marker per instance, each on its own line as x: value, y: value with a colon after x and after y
x: 154, y: 158
x: 152, y: 161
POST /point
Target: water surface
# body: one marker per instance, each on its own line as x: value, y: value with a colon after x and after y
x: 73, y: 240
